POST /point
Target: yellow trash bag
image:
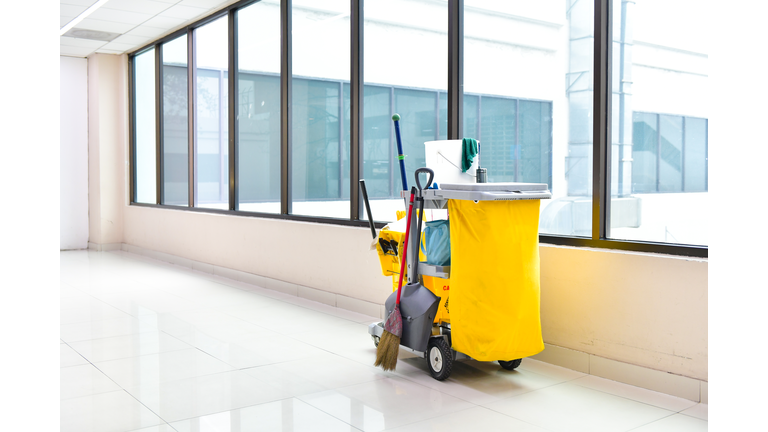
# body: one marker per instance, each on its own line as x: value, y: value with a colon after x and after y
x: 495, y: 286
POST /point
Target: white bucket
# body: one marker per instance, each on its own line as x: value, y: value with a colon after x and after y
x: 444, y: 158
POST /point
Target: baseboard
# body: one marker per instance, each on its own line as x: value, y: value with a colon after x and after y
x: 639, y: 376
x: 104, y: 247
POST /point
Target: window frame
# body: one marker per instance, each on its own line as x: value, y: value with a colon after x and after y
x: 602, y: 96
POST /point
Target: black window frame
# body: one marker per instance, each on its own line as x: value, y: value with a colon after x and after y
x: 602, y: 94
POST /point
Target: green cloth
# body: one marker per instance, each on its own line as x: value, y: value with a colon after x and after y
x: 468, y: 153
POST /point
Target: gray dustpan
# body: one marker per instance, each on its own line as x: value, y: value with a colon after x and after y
x: 418, y: 305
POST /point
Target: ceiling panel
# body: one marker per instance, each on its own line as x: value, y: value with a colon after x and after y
x: 71, y: 10
x: 64, y: 20
x: 82, y: 43
x: 121, y: 47
x: 205, y: 4
x: 85, y: 3
x: 120, y: 16
x: 75, y: 51
x: 183, y: 12
x: 164, y: 22
x: 132, y: 40
x: 141, y: 6
x: 107, y: 26
x: 146, y: 31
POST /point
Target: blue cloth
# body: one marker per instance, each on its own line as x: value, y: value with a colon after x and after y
x: 437, y: 243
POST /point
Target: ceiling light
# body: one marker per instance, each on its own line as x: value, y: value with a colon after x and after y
x: 82, y: 16
x: 91, y: 34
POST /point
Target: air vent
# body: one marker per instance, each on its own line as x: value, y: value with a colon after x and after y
x: 91, y: 34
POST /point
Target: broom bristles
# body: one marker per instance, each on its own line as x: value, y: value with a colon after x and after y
x: 386, y: 352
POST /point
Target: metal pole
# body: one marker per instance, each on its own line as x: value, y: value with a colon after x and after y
x: 455, y: 69
x: 233, y: 105
x: 159, y: 123
x: 356, y: 101
x: 601, y: 146
x: 286, y: 75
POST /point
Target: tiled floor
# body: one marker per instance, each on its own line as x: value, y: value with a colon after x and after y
x: 154, y: 347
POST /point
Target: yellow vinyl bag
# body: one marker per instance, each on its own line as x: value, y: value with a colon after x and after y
x: 495, y: 297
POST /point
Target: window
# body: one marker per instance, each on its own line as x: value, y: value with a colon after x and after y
x: 659, y: 140
x: 628, y: 139
x: 258, y: 110
x: 145, y: 154
x: 175, y: 125
x: 319, y: 153
x: 211, y: 96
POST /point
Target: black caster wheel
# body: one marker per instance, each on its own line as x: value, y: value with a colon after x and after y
x: 510, y: 365
x: 376, y: 340
x: 439, y: 358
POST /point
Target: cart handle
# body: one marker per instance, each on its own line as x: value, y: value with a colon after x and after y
x: 430, y: 177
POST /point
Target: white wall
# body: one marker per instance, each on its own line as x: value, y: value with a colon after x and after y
x: 73, y: 136
x: 107, y: 138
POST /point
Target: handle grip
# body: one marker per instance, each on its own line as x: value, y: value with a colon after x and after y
x: 430, y: 177
x: 367, y: 207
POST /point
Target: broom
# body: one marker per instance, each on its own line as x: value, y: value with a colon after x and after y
x: 389, y: 345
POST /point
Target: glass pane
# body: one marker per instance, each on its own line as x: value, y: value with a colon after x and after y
x: 659, y: 123
x: 259, y: 107
x: 405, y: 54
x: 645, y: 150
x: 670, y: 153
x: 319, y: 158
x: 146, y: 146
x: 532, y: 124
x: 378, y: 153
x: 212, y: 164
x: 175, y: 115
x: 535, y: 137
x: 471, y: 116
x: 695, y: 155
x: 499, y: 151
x: 443, y: 116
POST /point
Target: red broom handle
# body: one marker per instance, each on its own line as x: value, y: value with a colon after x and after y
x: 405, y: 248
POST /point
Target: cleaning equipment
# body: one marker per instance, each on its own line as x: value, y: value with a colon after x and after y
x: 389, y: 346
x: 491, y: 290
x: 419, y: 304
x: 368, y: 209
x: 400, y: 156
x: 437, y: 242
x: 495, y: 268
x: 469, y: 151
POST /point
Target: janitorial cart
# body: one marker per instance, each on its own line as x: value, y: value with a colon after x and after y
x: 489, y: 298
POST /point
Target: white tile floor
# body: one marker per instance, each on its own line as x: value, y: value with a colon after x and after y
x: 154, y: 347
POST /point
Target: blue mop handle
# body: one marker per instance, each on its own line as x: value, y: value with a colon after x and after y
x: 400, y: 156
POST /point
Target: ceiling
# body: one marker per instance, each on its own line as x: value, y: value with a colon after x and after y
x: 137, y: 22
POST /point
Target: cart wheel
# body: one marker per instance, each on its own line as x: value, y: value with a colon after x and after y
x: 439, y: 358
x: 510, y: 365
x: 376, y: 340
